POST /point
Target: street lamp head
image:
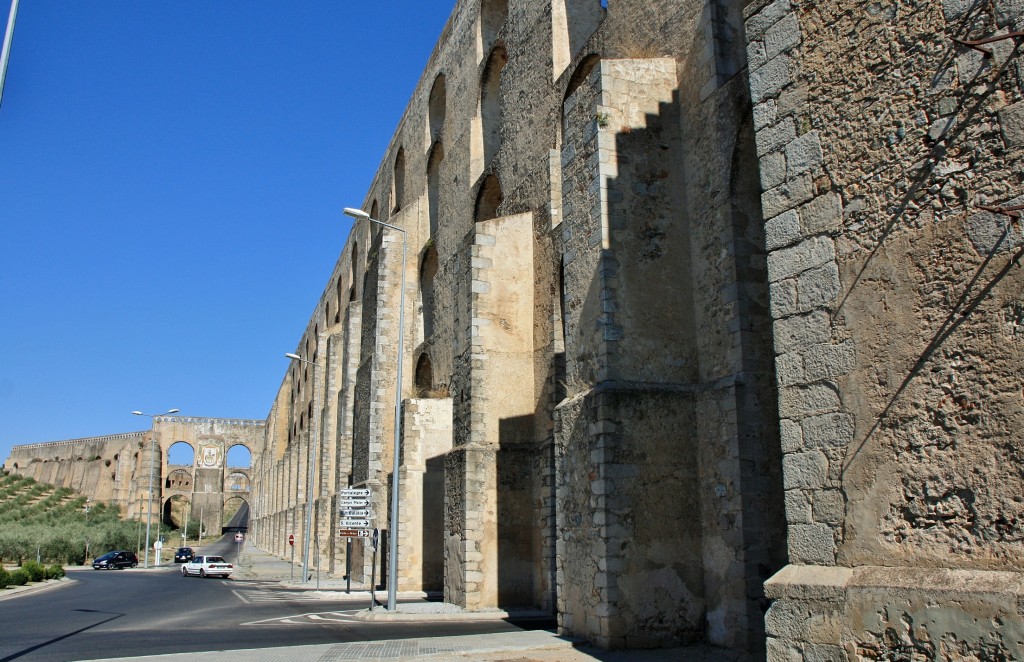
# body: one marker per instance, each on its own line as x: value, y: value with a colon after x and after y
x: 169, y: 411
x: 294, y: 356
x: 356, y: 213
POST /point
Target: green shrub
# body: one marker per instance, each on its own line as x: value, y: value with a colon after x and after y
x: 55, y: 571
x: 56, y: 528
x: 19, y: 577
x: 5, y: 578
x: 35, y: 571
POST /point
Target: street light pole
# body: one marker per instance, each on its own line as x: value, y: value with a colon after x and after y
x: 314, y: 449
x: 5, y: 52
x: 359, y: 214
x: 152, y: 462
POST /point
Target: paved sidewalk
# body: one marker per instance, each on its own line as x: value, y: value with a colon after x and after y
x: 521, y: 646
x: 529, y: 646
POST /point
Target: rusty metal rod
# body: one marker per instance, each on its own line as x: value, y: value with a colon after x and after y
x: 1012, y: 212
x: 976, y: 43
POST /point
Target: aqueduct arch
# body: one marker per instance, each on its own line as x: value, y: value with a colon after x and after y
x: 204, y: 464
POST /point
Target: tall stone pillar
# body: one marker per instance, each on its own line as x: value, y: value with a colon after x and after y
x: 628, y: 436
x: 486, y: 547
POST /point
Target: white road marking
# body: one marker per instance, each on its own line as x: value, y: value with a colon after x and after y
x: 312, y: 617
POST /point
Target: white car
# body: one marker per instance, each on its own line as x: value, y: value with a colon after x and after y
x: 207, y: 566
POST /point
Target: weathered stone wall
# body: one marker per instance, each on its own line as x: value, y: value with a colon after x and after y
x: 696, y: 290
x: 881, y: 141
x: 625, y: 577
x: 880, y: 613
x: 638, y: 225
x: 118, y: 469
x: 750, y: 288
x: 611, y: 244
x: 427, y: 439
x: 104, y: 468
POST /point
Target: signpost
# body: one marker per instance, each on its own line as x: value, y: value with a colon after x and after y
x: 355, y: 521
x: 354, y: 533
x: 158, y: 545
x: 373, y: 572
x: 354, y: 514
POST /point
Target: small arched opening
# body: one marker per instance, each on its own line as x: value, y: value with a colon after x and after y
x: 354, y: 266
x: 434, y: 185
x: 493, y: 14
x: 424, y: 376
x: 428, y: 270
x: 583, y: 70
x: 437, y: 107
x: 488, y: 199
x: 239, y: 457
x: 490, y: 102
x: 572, y: 24
x: 181, y: 454
x: 177, y: 515
x: 236, y: 514
x: 179, y: 479
x: 236, y: 482
x: 398, y: 182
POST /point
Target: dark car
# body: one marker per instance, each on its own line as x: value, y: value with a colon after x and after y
x: 119, y: 559
x: 183, y: 555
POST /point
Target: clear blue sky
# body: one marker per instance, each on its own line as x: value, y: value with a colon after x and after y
x: 172, y: 175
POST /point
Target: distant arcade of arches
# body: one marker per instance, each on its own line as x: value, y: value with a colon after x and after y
x: 176, y: 509
x: 181, y: 455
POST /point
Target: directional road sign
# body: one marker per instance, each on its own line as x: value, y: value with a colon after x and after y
x: 356, y: 512
x: 354, y: 523
x: 354, y: 493
x: 353, y: 503
x: 355, y: 533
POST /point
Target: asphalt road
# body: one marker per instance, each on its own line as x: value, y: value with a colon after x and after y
x: 121, y: 613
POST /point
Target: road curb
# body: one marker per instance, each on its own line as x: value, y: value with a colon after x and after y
x: 383, y: 615
x: 35, y: 587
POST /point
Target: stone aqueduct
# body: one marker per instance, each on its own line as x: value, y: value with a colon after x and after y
x: 117, y: 468
x: 714, y: 332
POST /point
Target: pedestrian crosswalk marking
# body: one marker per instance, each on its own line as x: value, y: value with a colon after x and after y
x: 249, y: 596
x: 313, y: 617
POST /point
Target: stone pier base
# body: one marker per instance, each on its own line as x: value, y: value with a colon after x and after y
x: 471, y: 528
x: 877, y: 613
